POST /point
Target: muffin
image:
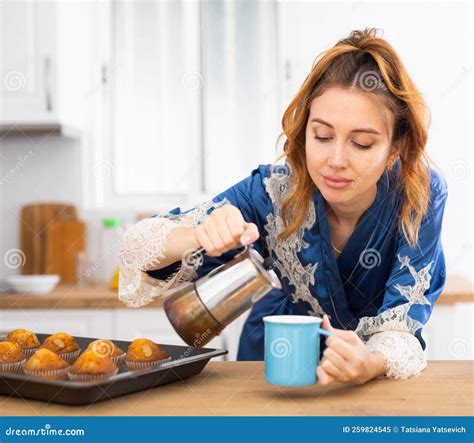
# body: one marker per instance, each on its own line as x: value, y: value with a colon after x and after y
x: 64, y: 345
x: 91, y: 366
x: 27, y: 340
x: 106, y: 348
x: 46, y: 364
x: 144, y: 354
x: 11, y: 357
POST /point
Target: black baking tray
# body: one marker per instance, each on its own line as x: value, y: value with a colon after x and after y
x: 185, y: 362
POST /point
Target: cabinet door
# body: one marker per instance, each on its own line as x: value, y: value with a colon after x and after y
x: 152, y: 324
x: 27, y: 62
x: 80, y: 322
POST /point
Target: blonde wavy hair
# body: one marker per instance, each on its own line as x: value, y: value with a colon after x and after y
x: 362, y: 57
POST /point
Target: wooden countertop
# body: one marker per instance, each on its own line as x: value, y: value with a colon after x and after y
x: 239, y: 388
x: 458, y: 289
x: 68, y: 297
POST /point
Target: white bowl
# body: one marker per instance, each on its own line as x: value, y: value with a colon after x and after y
x: 33, y: 284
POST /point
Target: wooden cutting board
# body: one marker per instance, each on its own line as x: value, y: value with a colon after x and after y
x: 34, y: 219
x: 64, y: 240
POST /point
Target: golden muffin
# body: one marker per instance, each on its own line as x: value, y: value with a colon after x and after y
x: 107, y: 348
x: 10, y: 352
x: 26, y: 339
x: 46, y: 364
x: 90, y: 365
x: 145, y: 350
x: 45, y: 360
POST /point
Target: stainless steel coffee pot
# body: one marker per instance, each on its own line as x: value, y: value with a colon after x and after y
x: 200, y: 310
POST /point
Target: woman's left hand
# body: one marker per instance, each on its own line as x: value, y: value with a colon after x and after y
x: 346, y: 359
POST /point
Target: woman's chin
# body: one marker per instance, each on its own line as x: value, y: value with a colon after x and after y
x: 336, y: 195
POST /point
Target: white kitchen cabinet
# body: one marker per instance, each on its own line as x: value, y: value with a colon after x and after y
x: 28, y: 62
x: 79, y: 322
x: 48, y: 69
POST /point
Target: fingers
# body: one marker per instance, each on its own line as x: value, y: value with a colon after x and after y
x: 236, y: 227
x: 334, y: 360
x: 204, y: 240
x: 250, y: 234
x: 341, y: 346
x: 326, y: 324
x: 324, y: 378
x: 337, y: 366
x: 225, y: 229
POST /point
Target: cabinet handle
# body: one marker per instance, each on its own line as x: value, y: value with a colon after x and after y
x: 47, y: 83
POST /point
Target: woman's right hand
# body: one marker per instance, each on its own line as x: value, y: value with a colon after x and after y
x: 225, y: 229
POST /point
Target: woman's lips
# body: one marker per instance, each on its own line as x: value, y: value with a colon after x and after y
x: 336, y: 182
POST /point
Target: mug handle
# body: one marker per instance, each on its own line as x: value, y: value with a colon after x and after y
x: 326, y: 333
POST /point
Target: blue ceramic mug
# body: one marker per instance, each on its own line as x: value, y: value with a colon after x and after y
x: 292, y: 349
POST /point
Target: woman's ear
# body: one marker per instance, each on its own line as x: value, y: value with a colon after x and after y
x: 392, y: 157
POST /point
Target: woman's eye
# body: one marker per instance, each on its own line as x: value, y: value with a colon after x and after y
x: 358, y: 145
x: 322, y: 139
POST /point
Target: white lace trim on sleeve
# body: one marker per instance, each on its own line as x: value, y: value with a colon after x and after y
x: 404, y: 357
x: 142, y: 249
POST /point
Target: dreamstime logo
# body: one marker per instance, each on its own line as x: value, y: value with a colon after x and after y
x: 459, y: 348
x: 102, y: 348
x: 14, y: 258
x: 14, y: 81
x: 13, y: 171
x: 192, y: 81
x: 200, y: 338
x: 103, y: 170
x: 281, y: 347
x: 370, y: 258
x: 370, y: 80
x: 458, y: 170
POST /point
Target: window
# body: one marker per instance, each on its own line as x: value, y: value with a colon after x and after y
x: 191, y: 105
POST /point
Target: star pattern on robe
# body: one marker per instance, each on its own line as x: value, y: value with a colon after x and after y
x: 415, y: 293
x: 397, y: 318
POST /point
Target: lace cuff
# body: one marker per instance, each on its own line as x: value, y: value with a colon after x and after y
x: 403, y: 353
x: 142, y: 249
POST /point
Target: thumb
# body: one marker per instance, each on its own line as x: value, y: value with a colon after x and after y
x: 250, y: 234
x: 326, y: 324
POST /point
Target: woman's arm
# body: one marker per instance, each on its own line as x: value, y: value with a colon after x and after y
x: 151, y: 252
x: 179, y: 240
x: 154, y: 243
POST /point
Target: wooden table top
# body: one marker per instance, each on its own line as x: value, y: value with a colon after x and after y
x: 458, y: 289
x: 239, y: 388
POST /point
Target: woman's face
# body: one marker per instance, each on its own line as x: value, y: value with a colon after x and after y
x: 347, y: 144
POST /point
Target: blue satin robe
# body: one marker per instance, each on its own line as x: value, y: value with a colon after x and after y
x: 378, y: 282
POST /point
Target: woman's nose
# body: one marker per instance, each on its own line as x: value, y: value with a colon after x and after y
x: 338, y: 157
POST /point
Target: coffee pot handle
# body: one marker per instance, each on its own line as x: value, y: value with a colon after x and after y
x: 197, y: 254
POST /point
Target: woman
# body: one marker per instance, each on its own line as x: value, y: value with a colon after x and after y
x: 353, y: 219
